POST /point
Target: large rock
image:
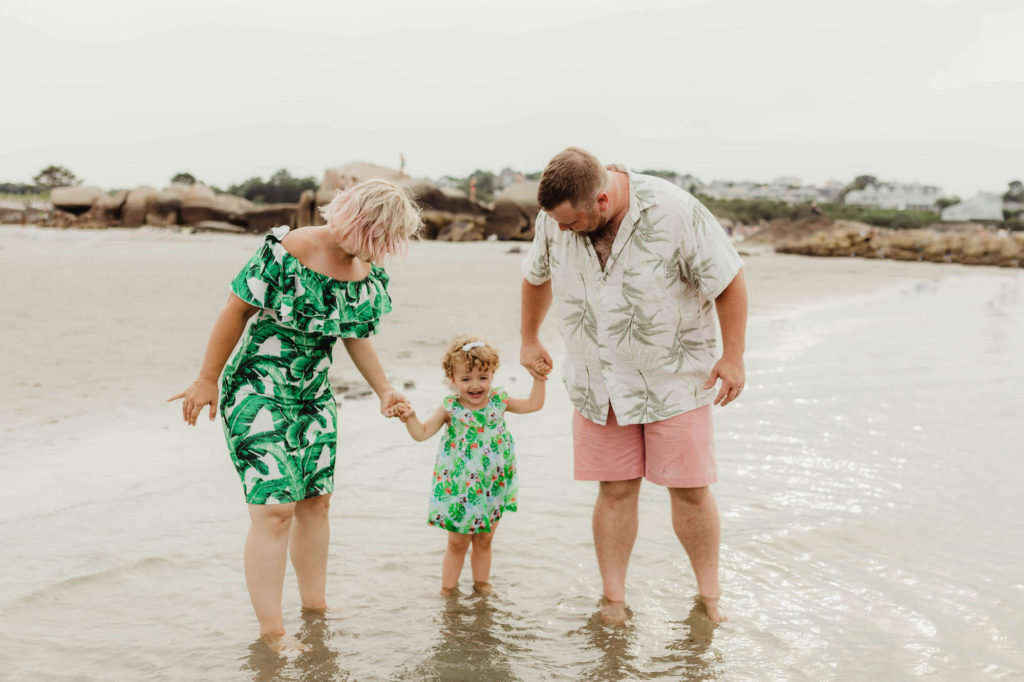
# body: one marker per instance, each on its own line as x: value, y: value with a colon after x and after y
x: 12, y: 212
x: 444, y: 202
x: 515, y: 211
x: 349, y: 174
x: 76, y: 200
x: 265, y: 217
x: 306, y: 213
x: 980, y: 247
x: 113, y: 203
x: 222, y: 207
x: 137, y: 204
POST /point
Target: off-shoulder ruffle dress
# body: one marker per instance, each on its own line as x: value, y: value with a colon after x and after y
x: 279, y: 414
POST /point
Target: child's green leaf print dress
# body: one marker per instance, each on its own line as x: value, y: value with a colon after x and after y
x: 280, y: 417
x: 475, y: 474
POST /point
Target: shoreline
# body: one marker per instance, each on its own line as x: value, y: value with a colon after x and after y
x: 113, y: 319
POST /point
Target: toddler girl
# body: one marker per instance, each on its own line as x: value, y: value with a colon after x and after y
x: 475, y: 474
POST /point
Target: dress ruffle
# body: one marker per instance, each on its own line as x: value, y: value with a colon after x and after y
x: 307, y: 301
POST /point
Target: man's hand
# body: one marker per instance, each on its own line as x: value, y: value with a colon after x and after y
x: 534, y: 357
x: 730, y: 371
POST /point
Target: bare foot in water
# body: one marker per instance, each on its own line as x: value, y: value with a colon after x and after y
x: 483, y: 588
x: 449, y: 591
x: 285, y: 645
x: 711, y: 607
x: 613, y: 612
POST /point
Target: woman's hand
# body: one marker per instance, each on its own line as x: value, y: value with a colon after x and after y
x: 393, y: 403
x: 202, y: 392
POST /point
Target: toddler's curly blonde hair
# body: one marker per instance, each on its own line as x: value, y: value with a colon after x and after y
x: 481, y: 354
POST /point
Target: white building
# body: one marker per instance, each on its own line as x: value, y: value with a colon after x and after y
x: 786, y: 189
x: 899, y: 196
x: 983, y: 206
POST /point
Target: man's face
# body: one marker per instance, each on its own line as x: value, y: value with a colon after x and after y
x: 581, y: 221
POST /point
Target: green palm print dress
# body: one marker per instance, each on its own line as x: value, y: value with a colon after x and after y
x: 280, y: 416
x: 475, y: 473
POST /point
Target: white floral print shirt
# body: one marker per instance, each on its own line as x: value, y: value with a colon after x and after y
x: 642, y: 333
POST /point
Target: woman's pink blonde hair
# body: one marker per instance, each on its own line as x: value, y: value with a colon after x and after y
x: 484, y: 357
x: 372, y: 219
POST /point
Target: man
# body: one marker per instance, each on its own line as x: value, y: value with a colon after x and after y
x: 636, y: 268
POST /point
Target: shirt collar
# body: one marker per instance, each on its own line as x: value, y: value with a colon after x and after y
x: 641, y: 197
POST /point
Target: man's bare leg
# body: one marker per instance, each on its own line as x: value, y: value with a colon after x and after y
x: 695, y: 521
x: 616, y: 520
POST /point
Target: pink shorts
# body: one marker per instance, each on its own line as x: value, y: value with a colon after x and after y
x: 678, y: 452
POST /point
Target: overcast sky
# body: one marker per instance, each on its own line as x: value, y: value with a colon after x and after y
x: 129, y: 93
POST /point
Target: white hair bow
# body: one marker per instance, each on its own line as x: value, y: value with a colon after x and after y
x: 473, y: 344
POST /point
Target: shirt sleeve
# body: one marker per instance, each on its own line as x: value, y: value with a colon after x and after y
x: 707, y: 258
x: 537, y: 264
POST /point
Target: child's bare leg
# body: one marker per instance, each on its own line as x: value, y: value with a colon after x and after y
x: 266, y: 551
x: 480, y: 560
x: 454, y: 557
x: 311, y: 535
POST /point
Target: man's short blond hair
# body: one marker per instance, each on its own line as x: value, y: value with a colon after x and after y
x: 574, y: 175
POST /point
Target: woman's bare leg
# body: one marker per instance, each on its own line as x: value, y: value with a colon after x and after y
x: 310, y: 538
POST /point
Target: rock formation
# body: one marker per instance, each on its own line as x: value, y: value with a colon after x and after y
x: 515, y: 211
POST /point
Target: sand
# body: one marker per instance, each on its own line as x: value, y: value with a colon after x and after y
x: 104, y: 323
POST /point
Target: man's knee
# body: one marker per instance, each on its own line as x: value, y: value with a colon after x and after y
x: 620, y: 491
x: 690, y: 496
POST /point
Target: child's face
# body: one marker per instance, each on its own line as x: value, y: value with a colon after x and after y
x: 472, y: 385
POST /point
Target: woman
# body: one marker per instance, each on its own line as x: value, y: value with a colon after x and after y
x: 307, y: 288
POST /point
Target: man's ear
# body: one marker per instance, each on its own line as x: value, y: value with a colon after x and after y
x: 602, y: 201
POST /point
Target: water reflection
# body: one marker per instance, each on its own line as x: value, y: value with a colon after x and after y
x: 692, y: 657
x: 469, y: 646
x: 613, y: 643
x: 319, y: 664
x: 689, y: 656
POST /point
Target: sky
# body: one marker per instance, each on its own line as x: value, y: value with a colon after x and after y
x: 130, y: 93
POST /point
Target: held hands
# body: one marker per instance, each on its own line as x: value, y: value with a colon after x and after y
x: 393, y: 404
x: 201, y: 393
x: 534, y: 357
x: 404, y: 412
x: 730, y: 371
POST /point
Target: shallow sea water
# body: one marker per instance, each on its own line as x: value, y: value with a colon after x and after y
x: 868, y: 484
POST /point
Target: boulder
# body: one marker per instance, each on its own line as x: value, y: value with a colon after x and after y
x: 461, y: 231
x: 137, y: 204
x: 306, y: 213
x: 222, y: 207
x: 112, y: 203
x: 446, y: 203
x: 265, y: 217
x: 76, y: 200
x: 515, y: 211
x: 13, y: 212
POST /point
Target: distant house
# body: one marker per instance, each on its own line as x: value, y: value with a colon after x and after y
x: 983, y: 206
x: 899, y: 196
x: 787, y: 189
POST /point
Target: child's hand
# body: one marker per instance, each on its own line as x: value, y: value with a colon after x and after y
x: 403, y: 411
x: 542, y: 367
